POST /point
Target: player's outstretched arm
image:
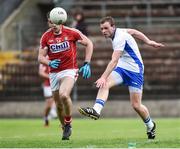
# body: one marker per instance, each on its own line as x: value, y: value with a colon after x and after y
x: 143, y: 37
x: 155, y: 44
x: 101, y: 82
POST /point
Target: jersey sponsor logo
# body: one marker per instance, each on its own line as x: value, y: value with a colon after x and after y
x: 63, y: 46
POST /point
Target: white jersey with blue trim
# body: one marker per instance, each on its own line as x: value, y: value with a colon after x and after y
x: 131, y: 58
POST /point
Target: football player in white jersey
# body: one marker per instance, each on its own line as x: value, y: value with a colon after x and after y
x: 126, y: 67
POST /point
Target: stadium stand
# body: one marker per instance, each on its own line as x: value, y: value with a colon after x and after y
x: 159, y: 19
x: 19, y: 80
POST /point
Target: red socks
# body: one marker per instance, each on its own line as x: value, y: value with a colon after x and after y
x: 67, y: 119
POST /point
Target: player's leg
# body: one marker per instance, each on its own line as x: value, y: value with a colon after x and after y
x: 64, y: 94
x: 102, y: 96
x: 59, y: 107
x: 47, y: 109
x: 54, y: 82
x: 136, y: 98
x: 53, y: 111
x: 48, y: 103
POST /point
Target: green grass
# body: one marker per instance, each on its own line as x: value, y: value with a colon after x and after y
x: 88, y: 134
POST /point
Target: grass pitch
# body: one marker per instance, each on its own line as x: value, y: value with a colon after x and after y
x: 87, y: 133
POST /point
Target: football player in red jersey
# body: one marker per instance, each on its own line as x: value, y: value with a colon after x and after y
x: 59, y: 43
x: 49, y: 105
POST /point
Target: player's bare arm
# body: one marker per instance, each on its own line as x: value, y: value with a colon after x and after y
x: 85, y: 70
x: 88, y: 44
x: 42, y: 56
x: 144, y: 38
x: 42, y: 72
x: 101, y: 82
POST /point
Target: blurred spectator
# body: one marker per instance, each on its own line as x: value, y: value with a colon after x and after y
x: 79, y: 22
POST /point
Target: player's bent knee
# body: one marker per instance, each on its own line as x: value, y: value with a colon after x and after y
x: 136, y: 106
x: 63, y: 96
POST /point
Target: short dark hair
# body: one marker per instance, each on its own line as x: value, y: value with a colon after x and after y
x: 108, y: 19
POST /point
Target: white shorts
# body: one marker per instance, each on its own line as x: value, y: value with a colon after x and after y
x: 47, y: 91
x: 55, y: 77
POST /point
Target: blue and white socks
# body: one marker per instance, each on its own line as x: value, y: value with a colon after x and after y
x: 149, y: 124
x: 98, y: 106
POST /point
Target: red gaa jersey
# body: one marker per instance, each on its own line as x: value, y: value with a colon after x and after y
x: 62, y: 47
